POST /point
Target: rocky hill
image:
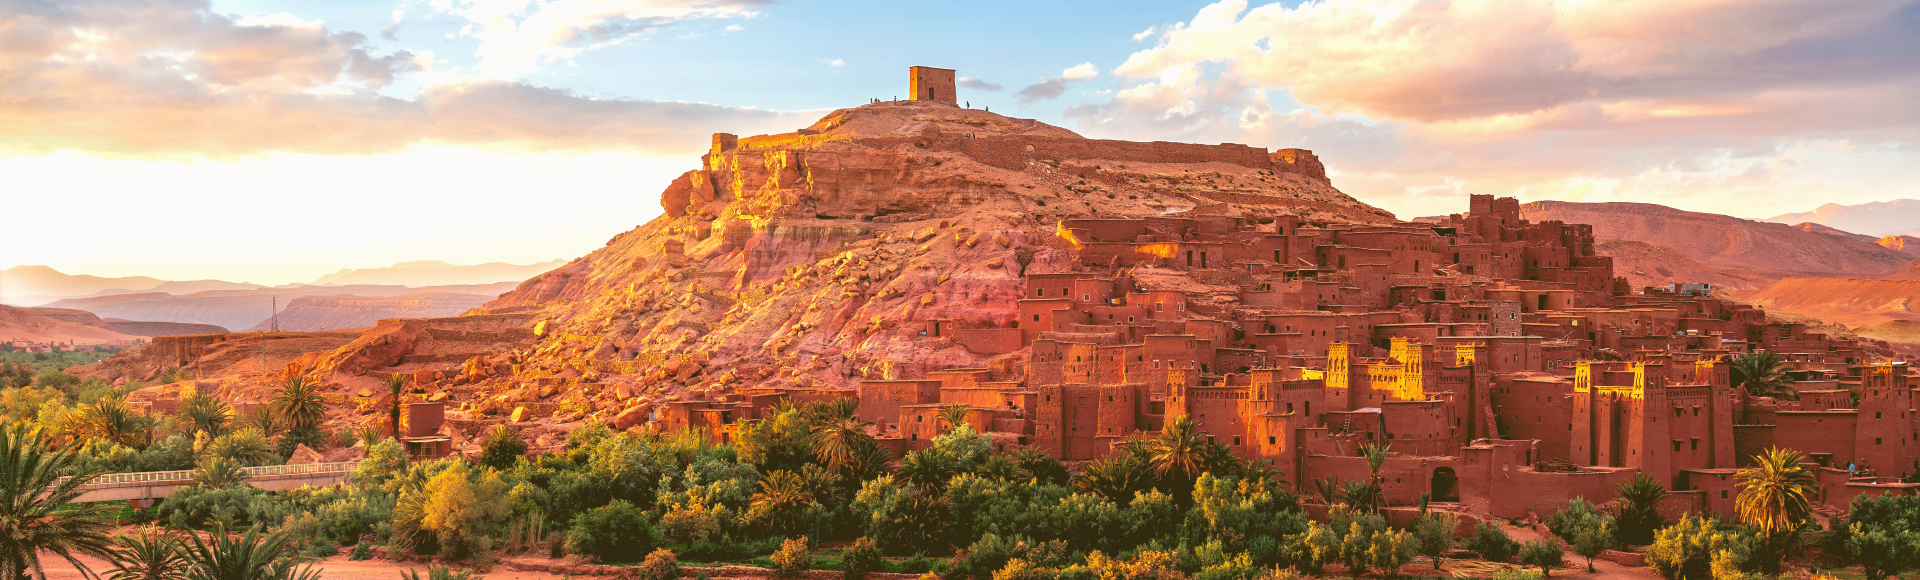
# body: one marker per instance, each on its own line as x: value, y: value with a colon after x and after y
x: 1852, y: 302
x: 1726, y: 242
x: 1908, y: 245
x: 151, y: 329
x: 806, y: 259
x: 308, y: 313
x: 1823, y: 229
x: 56, y: 325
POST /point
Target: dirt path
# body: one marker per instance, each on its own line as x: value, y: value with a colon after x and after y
x: 1577, y: 566
x: 334, y: 568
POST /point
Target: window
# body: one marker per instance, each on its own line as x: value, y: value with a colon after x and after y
x: 1271, y: 440
x: 1236, y: 441
x: 1696, y: 445
x: 1723, y: 494
x: 1676, y: 446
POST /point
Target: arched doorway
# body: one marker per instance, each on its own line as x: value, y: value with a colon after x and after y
x: 1446, y: 485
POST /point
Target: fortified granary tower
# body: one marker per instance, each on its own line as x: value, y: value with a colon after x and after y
x: 932, y: 84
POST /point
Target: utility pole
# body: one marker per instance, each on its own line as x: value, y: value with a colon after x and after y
x: 276, y: 314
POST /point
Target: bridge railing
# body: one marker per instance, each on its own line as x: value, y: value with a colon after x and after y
x: 187, y: 475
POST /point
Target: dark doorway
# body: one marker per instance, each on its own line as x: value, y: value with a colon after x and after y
x: 1446, y: 485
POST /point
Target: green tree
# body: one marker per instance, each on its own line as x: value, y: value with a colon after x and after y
x: 247, y: 446
x: 33, y: 516
x: 1545, y: 553
x: 1689, y: 547
x: 217, y: 472
x: 1774, y: 501
x: 298, y: 405
x: 251, y: 556
x: 840, y: 442
x: 502, y: 447
x: 862, y: 558
x: 1762, y: 374
x: 1435, y: 534
x: 1116, y: 478
x: 112, y: 419
x: 616, y: 530
x: 1592, y: 538
x: 396, y: 386
x: 783, y: 497
x: 1492, y: 543
x: 954, y: 415
x: 793, y: 557
x: 208, y: 414
x: 150, y: 554
x: 1640, y: 499
x: 1388, y: 550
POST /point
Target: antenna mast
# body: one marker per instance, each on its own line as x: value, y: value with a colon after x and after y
x: 276, y: 314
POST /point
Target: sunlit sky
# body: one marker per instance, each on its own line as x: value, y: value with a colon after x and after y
x: 276, y: 141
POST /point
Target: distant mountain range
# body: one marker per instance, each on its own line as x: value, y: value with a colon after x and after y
x: 1877, y: 219
x: 434, y: 273
x: 145, y: 306
x: 245, y: 309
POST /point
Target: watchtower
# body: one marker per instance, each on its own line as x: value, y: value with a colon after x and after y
x: 932, y: 84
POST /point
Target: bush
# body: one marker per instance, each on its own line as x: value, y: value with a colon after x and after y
x: 502, y: 447
x: 659, y: 565
x: 1492, y: 543
x: 1435, y: 532
x: 793, y: 557
x: 614, y: 530
x: 862, y: 557
x: 1688, y: 548
x: 1545, y: 553
x: 361, y: 552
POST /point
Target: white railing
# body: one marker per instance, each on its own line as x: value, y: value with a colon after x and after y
x: 187, y: 475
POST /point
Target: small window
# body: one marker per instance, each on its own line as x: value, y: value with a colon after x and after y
x: 1723, y: 494
x: 1271, y: 440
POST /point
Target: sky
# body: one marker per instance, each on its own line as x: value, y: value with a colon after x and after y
x: 276, y: 141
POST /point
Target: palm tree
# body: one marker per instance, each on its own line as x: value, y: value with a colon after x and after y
x: 838, y: 442
x: 248, y: 557
x: 929, y: 469
x: 218, y: 472
x: 248, y: 446
x: 395, y: 384
x: 208, y: 414
x: 1639, y: 511
x: 298, y: 405
x: 1180, y: 452
x: 32, y: 517
x: 1376, y: 485
x: 783, y: 494
x: 952, y: 416
x: 112, y: 419
x: 830, y: 411
x: 1773, y: 493
x: 1117, y: 478
x: 502, y: 447
x: 151, y: 554
x: 1762, y: 374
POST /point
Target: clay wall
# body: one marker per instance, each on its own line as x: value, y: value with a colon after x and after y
x: 1750, y: 440
x: 1537, y: 408
x: 1719, y: 490
x: 926, y: 83
x: 1037, y: 315
x: 989, y: 341
x: 1827, y: 435
x: 880, y: 401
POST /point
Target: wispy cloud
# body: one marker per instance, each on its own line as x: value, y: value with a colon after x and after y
x: 979, y: 84
x: 175, y: 80
x: 1053, y: 87
x: 833, y: 62
x: 519, y: 36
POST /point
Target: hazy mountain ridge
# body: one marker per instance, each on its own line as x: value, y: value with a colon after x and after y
x: 1880, y: 218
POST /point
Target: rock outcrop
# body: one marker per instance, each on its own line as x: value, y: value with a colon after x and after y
x: 348, y: 311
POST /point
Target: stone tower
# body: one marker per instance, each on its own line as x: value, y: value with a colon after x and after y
x: 932, y: 84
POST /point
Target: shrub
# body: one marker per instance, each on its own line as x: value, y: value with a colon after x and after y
x: 1545, y: 553
x: 862, y: 557
x: 361, y: 552
x: 1688, y: 548
x: 502, y: 447
x: 1435, y: 532
x: 793, y: 557
x: 616, y: 529
x: 1492, y: 543
x: 659, y: 565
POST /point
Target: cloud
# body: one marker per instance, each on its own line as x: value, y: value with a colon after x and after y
x: 519, y: 37
x: 1053, y: 87
x: 1142, y: 35
x: 174, y: 80
x: 833, y: 62
x: 391, y: 32
x: 978, y: 84
x: 1676, y: 100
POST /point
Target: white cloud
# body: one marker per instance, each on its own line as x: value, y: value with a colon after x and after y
x: 833, y: 62
x: 1681, y: 101
x: 1080, y: 72
x: 522, y: 36
x: 1145, y: 33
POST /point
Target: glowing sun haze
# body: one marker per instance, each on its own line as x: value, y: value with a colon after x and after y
x: 275, y: 141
